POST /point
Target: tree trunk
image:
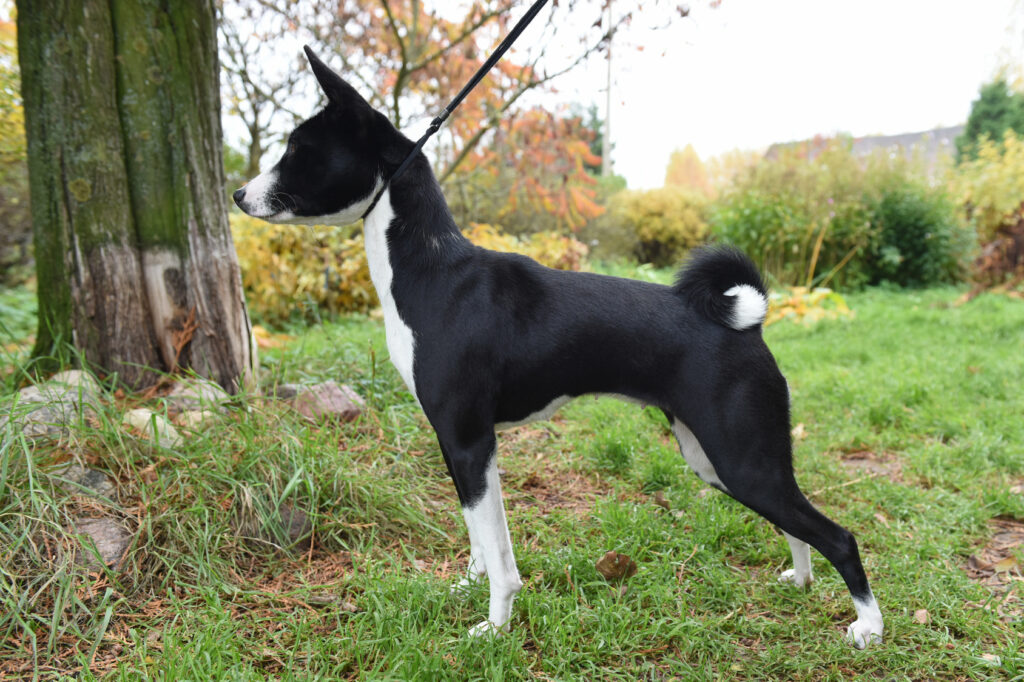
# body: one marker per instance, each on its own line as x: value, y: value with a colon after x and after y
x: 136, y: 266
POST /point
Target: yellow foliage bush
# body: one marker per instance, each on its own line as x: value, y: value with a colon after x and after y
x: 990, y: 188
x: 805, y: 305
x: 297, y: 272
x: 666, y: 222
x: 547, y: 248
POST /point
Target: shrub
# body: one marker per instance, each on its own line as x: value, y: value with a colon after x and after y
x: 801, y: 219
x: 294, y: 273
x: 990, y: 188
x: 920, y: 242
x: 548, y: 248
x: 656, y: 226
x: 15, y: 215
x: 832, y: 218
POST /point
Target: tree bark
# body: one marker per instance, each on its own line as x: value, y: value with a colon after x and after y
x: 136, y: 266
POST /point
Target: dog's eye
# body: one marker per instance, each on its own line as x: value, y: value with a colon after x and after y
x: 291, y: 148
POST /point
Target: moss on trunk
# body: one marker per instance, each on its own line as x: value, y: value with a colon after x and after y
x: 135, y: 262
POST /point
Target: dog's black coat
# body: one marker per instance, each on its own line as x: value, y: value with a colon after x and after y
x: 498, y: 337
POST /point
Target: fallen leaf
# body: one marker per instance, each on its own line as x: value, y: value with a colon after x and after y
x: 615, y: 566
x: 881, y: 519
x: 1005, y: 564
x: 799, y: 432
x: 659, y: 499
x: 921, y: 616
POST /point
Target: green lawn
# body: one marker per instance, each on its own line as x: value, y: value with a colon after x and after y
x: 911, y: 434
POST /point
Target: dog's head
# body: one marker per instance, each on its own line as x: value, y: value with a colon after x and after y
x: 334, y: 162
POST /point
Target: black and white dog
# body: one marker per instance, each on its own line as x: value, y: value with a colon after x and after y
x: 487, y: 340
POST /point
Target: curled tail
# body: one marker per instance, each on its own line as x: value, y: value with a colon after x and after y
x: 724, y: 284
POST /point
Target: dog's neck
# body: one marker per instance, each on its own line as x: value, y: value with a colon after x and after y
x: 413, y: 216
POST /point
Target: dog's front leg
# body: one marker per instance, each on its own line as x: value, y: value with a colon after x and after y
x: 477, y: 569
x: 474, y: 470
x: 486, y: 516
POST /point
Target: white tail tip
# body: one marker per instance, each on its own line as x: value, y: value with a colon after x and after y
x: 750, y: 309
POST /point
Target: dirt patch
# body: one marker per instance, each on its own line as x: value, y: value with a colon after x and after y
x: 552, y: 489
x: 535, y: 474
x: 869, y: 463
x: 996, y: 566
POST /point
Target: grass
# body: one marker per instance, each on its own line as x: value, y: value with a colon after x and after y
x: 911, y: 433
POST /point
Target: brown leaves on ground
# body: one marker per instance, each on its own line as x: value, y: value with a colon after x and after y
x: 614, y: 566
x: 996, y: 566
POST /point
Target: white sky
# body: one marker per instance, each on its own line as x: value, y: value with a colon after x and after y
x: 754, y: 72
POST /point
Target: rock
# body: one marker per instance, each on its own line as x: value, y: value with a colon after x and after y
x: 43, y: 421
x: 195, y: 419
x: 298, y: 525
x: 291, y: 529
x: 110, y: 538
x: 78, y: 380
x: 197, y: 394
x: 50, y: 408
x: 328, y: 400
x: 77, y: 480
x: 287, y: 391
x: 153, y: 426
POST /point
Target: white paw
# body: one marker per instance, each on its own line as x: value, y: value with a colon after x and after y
x: 486, y: 629
x: 790, y: 577
x: 864, y: 631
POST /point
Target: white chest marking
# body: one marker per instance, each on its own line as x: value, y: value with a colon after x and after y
x: 401, y: 344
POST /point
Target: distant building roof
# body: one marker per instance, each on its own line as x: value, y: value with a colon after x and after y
x: 931, y: 144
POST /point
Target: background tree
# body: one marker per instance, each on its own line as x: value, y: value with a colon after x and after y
x: 258, y: 81
x: 686, y: 171
x: 997, y: 109
x: 533, y: 176
x: 135, y: 262
x: 409, y: 60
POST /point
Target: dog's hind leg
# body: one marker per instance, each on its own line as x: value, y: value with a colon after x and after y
x: 474, y: 470
x: 801, y: 574
x: 775, y: 496
x: 764, y: 482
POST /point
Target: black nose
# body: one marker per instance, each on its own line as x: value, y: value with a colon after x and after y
x: 239, y: 195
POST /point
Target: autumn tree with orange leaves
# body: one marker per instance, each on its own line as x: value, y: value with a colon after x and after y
x: 532, y: 176
x: 409, y: 59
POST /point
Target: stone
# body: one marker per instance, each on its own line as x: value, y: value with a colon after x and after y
x: 76, y: 479
x: 195, y: 419
x: 298, y: 525
x: 327, y: 401
x: 50, y: 408
x: 197, y: 394
x: 152, y: 425
x: 110, y: 538
x: 78, y: 380
x: 291, y: 529
x: 287, y: 391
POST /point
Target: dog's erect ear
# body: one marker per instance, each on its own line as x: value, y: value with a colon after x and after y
x: 333, y: 85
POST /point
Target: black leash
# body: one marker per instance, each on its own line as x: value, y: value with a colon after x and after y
x: 435, y: 125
